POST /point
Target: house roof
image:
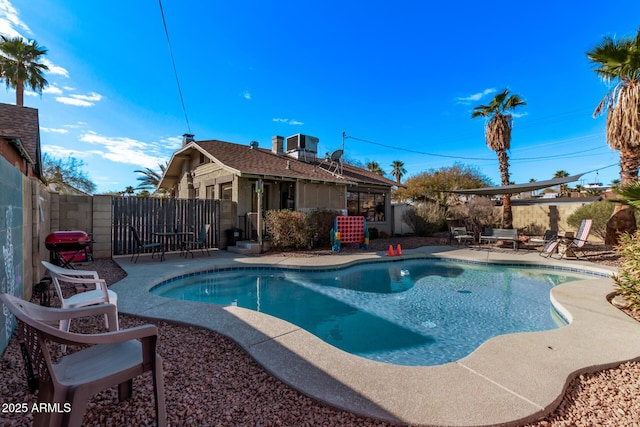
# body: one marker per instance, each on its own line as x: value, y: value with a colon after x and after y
x: 20, y: 127
x: 259, y: 162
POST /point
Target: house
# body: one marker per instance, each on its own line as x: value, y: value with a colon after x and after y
x: 20, y: 139
x: 287, y: 176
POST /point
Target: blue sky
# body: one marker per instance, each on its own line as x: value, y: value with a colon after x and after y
x: 402, y: 75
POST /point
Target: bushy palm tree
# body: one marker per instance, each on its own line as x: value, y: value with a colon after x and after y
x: 150, y: 178
x: 19, y: 65
x: 564, y: 188
x: 497, y: 134
x: 375, y: 168
x: 398, y: 170
x: 619, y: 61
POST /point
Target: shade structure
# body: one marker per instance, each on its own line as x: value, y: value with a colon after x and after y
x: 518, y: 188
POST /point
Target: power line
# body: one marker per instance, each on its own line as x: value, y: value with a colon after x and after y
x: 173, y: 62
x: 408, y: 150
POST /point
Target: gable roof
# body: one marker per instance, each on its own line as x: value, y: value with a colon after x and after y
x: 259, y: 162
x: 20, y: 127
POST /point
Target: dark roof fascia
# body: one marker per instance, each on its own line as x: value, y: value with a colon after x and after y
x: 15, y: 141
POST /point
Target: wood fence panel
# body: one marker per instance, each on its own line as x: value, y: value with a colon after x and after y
x: 153, y: 215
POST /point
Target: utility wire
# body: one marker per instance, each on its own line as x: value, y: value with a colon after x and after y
x: 173, y: 62
x: 565, y: 155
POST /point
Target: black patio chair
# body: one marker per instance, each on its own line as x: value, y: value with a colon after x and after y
x: 140, y: 246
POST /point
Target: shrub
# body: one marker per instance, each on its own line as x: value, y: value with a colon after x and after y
x: 628, y: 278
x: 425, y: 218
x: 321, y: 223
x: 599, y: 212
x: 287, y: 229
x: 477, y: 214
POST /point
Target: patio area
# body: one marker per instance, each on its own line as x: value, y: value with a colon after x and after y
x: 510, y: 380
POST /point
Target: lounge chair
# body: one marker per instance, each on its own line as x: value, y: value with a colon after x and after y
x: 89, y: 297
x: 549, y: 235
x: 200, y: 243
x: 111, y: 358
x: 564, y: 244
x: 462, y: 235
x: 140, y: 246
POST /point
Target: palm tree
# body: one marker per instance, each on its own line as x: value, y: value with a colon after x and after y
x: 497, y: 134
x: 398, y: 170
x: 129, y: 191
x: 375, y: 168
x: 19, y: 65
x: 619, y: 61
x: 564, y: 188
x: 150, y: 178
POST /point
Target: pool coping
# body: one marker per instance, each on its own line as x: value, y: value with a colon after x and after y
x: 509, y: 380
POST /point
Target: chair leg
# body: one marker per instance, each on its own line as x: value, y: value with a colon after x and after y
x: 158, y: 387
x: 125, y: 390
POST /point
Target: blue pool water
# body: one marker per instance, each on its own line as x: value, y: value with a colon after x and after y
x: 414, y: 312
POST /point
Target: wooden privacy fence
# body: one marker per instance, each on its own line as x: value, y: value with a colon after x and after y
x: 153, y: 215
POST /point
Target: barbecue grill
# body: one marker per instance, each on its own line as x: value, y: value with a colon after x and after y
x: 68, y: 246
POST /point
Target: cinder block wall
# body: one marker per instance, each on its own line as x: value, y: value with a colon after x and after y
x: 101, y: 231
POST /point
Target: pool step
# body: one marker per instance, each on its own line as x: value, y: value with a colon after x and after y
x: 245, y: 247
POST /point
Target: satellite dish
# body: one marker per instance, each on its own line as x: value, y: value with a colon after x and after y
x: 336, y: 156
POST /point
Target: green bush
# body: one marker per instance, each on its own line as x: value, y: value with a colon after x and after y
x: 628, y: 278
x: 599, y: 212
x: 287, y: 229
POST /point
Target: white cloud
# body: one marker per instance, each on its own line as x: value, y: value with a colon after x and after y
x: 10, y: 20
x: 73, y: 101
x: 80, y: 100
x: 53, y: 90
x: 291, y: 122
x: 55, y: 69
x: 92, y: 96
x: 475, y: 97
x: 126, y: 150
x: 76, y: 126
x: 54, y: 130
x: 63, y: 153
x: 246, y: 94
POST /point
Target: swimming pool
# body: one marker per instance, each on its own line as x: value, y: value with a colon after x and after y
x: 413, y: 312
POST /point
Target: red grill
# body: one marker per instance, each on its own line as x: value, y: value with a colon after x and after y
x: 68, y: 246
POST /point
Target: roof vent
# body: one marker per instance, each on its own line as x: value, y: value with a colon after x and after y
x: 253, y: 145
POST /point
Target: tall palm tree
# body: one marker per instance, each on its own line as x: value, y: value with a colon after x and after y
x: 619, y: 61
x: 564, y: 188
x: 375, y: 168
x: 398, y: 170
x: 19, y: 65
x: 497, y: 134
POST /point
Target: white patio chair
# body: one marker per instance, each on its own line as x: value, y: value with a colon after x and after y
x: 90, y: 297
x: 111, y: 358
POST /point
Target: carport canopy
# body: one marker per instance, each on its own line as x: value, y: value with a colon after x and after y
x: 518, y: 188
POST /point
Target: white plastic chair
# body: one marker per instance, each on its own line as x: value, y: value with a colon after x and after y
x: 90, y: 297
x: 111, y: 358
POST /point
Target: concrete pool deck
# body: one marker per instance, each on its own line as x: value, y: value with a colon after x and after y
x: 509, y: 380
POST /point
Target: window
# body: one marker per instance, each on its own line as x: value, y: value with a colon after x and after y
x: 370, y: 205
x: 226, y: 191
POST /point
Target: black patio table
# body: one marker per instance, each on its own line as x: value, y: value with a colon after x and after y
x: 169, y: 237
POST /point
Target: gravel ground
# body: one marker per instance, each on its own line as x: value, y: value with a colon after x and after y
x: 210, y: 381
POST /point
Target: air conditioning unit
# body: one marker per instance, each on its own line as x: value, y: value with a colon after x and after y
x: 302, y: 147
x: 302, y: 142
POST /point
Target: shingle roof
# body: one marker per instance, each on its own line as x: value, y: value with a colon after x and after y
x: 22, y: 123
x: 258, y: 161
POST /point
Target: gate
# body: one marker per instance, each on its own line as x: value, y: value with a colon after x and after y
x: 154, y: 215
